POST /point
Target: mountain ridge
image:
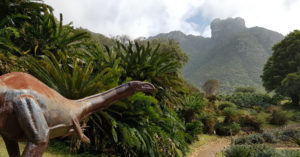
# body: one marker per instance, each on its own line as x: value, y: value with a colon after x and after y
x: 234, y: 55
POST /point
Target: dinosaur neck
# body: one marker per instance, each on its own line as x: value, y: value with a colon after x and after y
x: 103, y: 100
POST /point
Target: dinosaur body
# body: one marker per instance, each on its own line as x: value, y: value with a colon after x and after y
x: 31, y: 111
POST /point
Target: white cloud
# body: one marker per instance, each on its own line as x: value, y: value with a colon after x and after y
x: 132, y: 17
x: 149, y: 17
x: 277, y: 15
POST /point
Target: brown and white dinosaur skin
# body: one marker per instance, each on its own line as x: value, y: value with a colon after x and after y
x: 31, y: 111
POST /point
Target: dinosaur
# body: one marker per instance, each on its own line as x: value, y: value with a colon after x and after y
x: 32, y: 112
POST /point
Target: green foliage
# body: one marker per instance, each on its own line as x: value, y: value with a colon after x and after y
x: 148, y: 62
x: 250, y: 139
x: 226, y: 104
x: 270, y: 137
x: 250, y: 151
x: 245, y: 90
x: 227, y: 129
x: 280, y: 117
x: 249, y: 99
x: 252, y: 121
x: 258, y: 150
x: 281, y: 70
x: 193, y: 129
x: 192, y: 111
x: 296, y: 116
x: 192, y: 106
x: 232, y: 114
x: 209, y: 120
x: 290, y: 133
x: 287, y: 153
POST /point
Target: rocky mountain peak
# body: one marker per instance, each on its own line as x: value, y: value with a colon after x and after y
x: 227, y: 27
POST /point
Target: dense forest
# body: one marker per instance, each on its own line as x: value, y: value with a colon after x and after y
x: 78, y: 63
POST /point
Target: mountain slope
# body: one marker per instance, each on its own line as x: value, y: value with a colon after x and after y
x: 234, y: 55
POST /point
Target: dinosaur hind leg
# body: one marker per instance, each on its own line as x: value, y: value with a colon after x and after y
x: 12, y: 147
x: 33, y: 124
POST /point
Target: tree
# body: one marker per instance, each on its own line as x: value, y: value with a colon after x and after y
x: 210, y: 86
x: 280, y: 71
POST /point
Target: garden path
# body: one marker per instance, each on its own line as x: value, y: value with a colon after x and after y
x: 211, y: 149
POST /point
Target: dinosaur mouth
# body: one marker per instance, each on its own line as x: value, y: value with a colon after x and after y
x: 147, y: 87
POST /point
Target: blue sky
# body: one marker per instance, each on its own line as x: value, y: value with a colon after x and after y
x: 203, y: 23
x: 143, y: 18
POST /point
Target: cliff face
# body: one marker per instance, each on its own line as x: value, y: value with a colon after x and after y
x: 234, y: 55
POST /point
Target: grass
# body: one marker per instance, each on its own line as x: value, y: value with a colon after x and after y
x: 55, y: 150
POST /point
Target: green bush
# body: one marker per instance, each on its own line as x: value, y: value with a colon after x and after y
x: 245, y: 90
x: 192, y: 130
x: 296, y: 116
x: 209, y: 119
x: 232, y: 114
x: 269, y: 137
x: 289, y: 134
x: 257, y: 150
x: 226, y: 129
x: 273, y: 108
x: 287, y: 153
x: 251, y: 121
x: 276, y: 99
x: 251, y: 139
x: 280, y: 117
x: 249, y: 99
x: 226, y: 104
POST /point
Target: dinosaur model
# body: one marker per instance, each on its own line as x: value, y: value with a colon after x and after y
x: 30, y: 111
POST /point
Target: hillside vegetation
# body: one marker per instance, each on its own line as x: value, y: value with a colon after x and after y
x: 234, y: 54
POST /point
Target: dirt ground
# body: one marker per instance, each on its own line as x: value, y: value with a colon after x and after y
x: 210, y: 149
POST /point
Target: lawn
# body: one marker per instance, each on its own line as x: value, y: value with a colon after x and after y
x: 56, y: 151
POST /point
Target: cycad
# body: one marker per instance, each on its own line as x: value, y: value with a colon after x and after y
x: 148, y: 62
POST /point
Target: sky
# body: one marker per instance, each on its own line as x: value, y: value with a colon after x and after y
x: 144, y: 18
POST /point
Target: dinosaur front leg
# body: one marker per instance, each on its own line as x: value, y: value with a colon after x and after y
x: 12, y: 147
x: 33, y: 124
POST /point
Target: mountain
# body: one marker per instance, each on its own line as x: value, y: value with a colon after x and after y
x: 234, y: 55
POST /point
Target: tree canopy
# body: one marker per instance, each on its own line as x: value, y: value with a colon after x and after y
x: 281, y: 72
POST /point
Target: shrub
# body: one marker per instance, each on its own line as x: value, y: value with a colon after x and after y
x: 251, y: 139
x: 269, y: 137
x: 251, y: 121
x: 258, y: 109
x: 209, y: 120
x: 226, y: 104
x: 276, y: 99
x: 257, y: 150
x: 226, y: 129
x: 279, y: 117
x: 192, y: 130
x: 287, y: 153
x: 296, y: 116
x: 273, y: 108
x: 248, y: 99
x: 232, y: 114
x: 245, y: 90
x: 291, y: 133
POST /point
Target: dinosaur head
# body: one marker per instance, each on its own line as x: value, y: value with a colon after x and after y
x: 142, y: 86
